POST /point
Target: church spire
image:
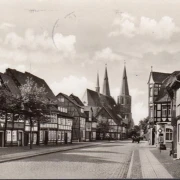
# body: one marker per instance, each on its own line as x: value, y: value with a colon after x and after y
x: 97, y: 84
x: 106, y: 90
x: 124, y: 87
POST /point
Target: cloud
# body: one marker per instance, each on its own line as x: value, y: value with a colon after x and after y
x: 128, y: 26
x: 124, y: 25
x: 5, y: 26
x: 164, y: 29
x: 38, y: 48
x: 72, y: 84
x: 42, y: 41
x: 106, y: 55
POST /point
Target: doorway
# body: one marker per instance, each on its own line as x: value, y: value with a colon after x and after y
x: 46, y: 138
x: 1, y: 139
x: 20, y: 138
x: 65, y: 138
x: 26, y: 139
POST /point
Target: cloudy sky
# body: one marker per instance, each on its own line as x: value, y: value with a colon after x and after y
x: 66, y: 42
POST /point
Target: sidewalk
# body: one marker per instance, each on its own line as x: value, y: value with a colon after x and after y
x: 151, y: 167
x: 173, y: 166
x: 16, y: 153
x: 146, y: 164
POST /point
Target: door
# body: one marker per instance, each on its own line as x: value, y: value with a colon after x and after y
x: 20, y: 138
x: 65, y: 138
x: 1, y: 139
x: 46, y: 138
x: 90, y: 136
x: 26, y: 139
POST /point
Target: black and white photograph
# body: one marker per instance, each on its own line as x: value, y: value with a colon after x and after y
x: 89, y: 89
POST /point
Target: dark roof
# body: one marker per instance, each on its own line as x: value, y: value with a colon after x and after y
x: 9, y: 83
x: 124, y: 87
x: 112, y: 114
x: 106, y: 89
x: 163, y: 95
x: 158, y: 77
x: 98, y: 100
x: 76, y: 99
x: 20, y: 79
x: 78, y: 107
x: 65, y: 114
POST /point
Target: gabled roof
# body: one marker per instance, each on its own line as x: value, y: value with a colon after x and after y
x: 20, y: 78
x: 163, y: 95
x: 9, y: 83
x: 78, y: 107
x: 112, y: 114
x: 98, y: 100
x: 158, y: 77
x: 76, y: 99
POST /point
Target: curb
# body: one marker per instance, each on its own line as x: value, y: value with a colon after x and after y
x: 44, y: 153
x: 130, y: 166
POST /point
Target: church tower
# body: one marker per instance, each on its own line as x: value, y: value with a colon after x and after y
x: 124, y: 99
x: 106, y: 90
x: 97, y: 84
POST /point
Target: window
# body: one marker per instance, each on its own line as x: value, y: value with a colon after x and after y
x: 61, y: 99
x: 82, y: 122
x: 151, y: 111
x: 151, y: 99
x: 178, y: 102
x: 151, y: 91
x: 14, y: 135
x: 155, y: 91
x: 122, y: 100
x: 8, y: 135
x: 168, y: 134
x: 82, y: 110
x: 164, y: 110
x: 158, y: 113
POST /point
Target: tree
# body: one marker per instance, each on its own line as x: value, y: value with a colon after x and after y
x: 9, y: 103
x: 35, y: 103
x: 103, y: 127
x: 143, y: 124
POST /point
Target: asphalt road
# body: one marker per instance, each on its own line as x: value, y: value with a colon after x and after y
x: 108, y: 160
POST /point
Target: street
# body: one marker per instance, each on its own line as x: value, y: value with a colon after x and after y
x: 108, y: 160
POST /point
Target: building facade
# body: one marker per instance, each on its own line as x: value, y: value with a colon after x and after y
x: 77, y: 111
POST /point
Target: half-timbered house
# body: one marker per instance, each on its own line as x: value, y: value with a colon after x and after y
x: 77, y: 111
x: 46, y: 131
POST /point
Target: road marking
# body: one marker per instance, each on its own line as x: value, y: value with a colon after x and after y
x: 130, y: 166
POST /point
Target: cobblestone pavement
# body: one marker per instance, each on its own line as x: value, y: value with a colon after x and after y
x: 13, y: 150
x: 173, y: 166
x: 136, y: 166
x: 108, y: 160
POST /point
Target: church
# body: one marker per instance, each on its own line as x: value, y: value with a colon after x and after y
x: 114, y: 119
